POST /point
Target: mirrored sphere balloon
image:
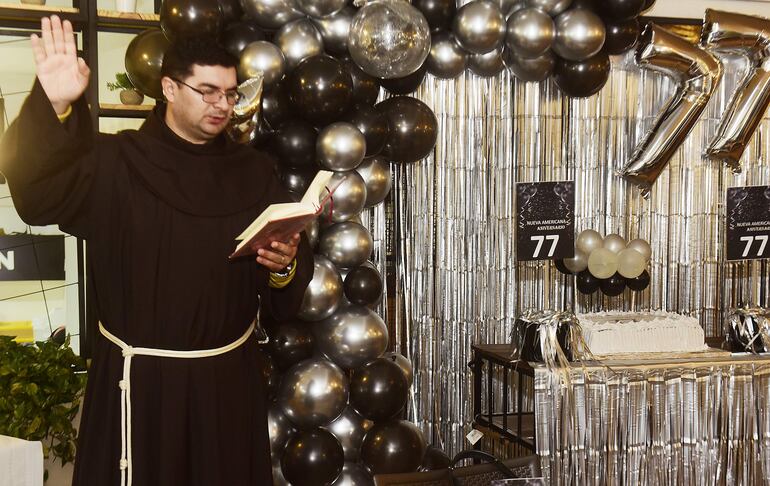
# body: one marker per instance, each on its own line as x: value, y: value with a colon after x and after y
x: 631, y: 263
x: 354, y: 474
x: 335, y: 29
x: 614, y: 242
x: 510, y: 6
x: 530, y: 32
x: 479, y: 26
x: 323, y: 293
x: 320, y: 8
x: 349, y: 197
x: 340, y: 146
x: 642, y: 247
x: 578, y: 262
x: 602, y: 263
x: 551, y: 7
x: 144, y: 58
x: 446, y: 59
x: 403, y: 363
x: 238, y: 35
x: 363, y: 285
x: 312, y: 458
x: 396, y: 446
x: 290, y: 342
x: 438, y: 13
x: 352, y: 336
x: 375, y: 171
x: 378, y: 389
x: 186, y: 18
x: 298, y: 41
x: 588, y: 240
x: 346, y: 244
x: 313, y: 393
x: 531, y: 70
x: 487, y: 65
x: 262, y: 57
x: 279, y: 429
x: 271, y: 14
x: 350, y: 428
x: 579, y: 34
x: 389, y: 38
x: 278, y: 478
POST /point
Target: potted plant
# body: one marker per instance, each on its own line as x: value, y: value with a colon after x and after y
x: 128, y: 94
x: 41, y: 387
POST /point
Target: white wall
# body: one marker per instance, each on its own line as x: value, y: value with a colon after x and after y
x: 695, y: 8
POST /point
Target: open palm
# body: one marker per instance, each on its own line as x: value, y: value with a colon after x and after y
x: 63, y: 75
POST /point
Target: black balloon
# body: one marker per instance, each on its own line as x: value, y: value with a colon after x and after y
x: 365, y: 87
x: 231, y: 11
x: 270, y: 376
x: 186, y: 18
x: 321, y: 88
x: 373, y: 124
x: 413, y: 129
x: 560, y: 267
x: 438, y: 13
x: 621, y: 35
x: 144, y: 58
x: 637, y: 284
x: 311, y: 458
x: 294, y: 144
x: 434, y: 459
x: 297, y: 180
x: 276, y: 105
x: 586, y: 283
x: 363, y: 285
x: 393, y: 447
x: 238, y: 35
x: 579, y: 79
x: 647, y: 5
x: 290, y: 343
x: 621, y: 9
x: 378, y: 389
x: 407, y: 84
x: 613, y: 286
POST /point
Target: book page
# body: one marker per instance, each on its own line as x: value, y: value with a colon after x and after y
x: 272, y: 213
x: 316, y: 189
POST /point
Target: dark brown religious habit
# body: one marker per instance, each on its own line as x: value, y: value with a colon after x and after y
x: 160, y: 215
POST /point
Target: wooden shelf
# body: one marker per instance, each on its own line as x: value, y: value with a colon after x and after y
x: 111, y: 21
x: 28, y: 16
x: 38, y: 8
x: 111, y: 14
x: 124, y: 111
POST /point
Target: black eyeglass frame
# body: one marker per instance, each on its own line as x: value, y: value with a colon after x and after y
x: 232, y: 97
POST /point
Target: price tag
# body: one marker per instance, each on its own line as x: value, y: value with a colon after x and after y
x: 748, y: 223
x: 545, y: 220
x: 474, y: 436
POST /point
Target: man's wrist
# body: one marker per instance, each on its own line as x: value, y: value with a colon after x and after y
x: 61, y: 108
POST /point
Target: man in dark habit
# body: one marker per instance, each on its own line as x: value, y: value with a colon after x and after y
x: 159, y: 209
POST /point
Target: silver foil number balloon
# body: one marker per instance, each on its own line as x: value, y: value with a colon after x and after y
x: 352, y: 337
x: 313, y: 393
x: 446, y: 59
x: 346, y: 244
x: 697, y: 73
x: 320, y: 8
x: 530, y: 32
x: 298, y: 41
x: 348, y: 199
x: 580, y: 34
x: 262, y: 58
x: 245, y: 120
x: 389, y: 39
x: 340, y: 146
x: 271, y: 14
x: 323, y: 294
x: 479, y: 26
x: 375, y: 171
x: 749, y: 37
x: 350, y: 428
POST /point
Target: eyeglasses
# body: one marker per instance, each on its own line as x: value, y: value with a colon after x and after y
x: 213, y: 95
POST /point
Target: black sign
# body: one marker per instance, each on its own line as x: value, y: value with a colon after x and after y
x: 31, y: 257
x: 545, y: 220
x: 748, y: 223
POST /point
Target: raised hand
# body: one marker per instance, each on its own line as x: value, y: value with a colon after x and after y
x: 63, y: 75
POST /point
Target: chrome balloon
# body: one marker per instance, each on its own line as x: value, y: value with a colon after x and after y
x: 614, y: 242
x: 340, y: 147
x: 487, y: 65
x: 348, y: 199
x: 479, y: 26
x: 271, y: 14
x: 335, y: 29
x: 279, y: 429
x: 403, y: 363
x: 346, y: 244
x: 551, y: 7
x: 375, y: 171
x: 446, y: 59
x: 352, y: 336
x: 298, y: 40
x: 580, y: 34
x: 354, y: 474
x: 350, y: 428
x: 313, y: 393
x: 530, y: 32
x: 323, y: 294
x: 262, y: 57
x: 320, y: 8
x: 534, y: 70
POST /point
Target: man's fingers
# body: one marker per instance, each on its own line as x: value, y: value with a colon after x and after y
x: 83, y: 67
x: 69, y: 40
x: 48, y: 45
x: 58, y: 35
x: 37, y: 48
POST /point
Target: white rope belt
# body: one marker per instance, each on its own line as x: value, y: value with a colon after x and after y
x: 125, y: 386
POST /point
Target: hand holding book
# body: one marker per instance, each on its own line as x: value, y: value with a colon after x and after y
x: 279, y: 254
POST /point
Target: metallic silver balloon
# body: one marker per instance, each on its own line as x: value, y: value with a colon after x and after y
x: 487, y: 65
x: 245, y: 121
x: 642, y: 247
x: 530, y: 32
x: 279, y: 429
x: 271, y: 14
x: 389, y: 39
x: 340, y: 146
x: 313, y: 393
x: 323, y: 294
x: 446, y: 59
x: 602, y: 263
x: 350, y: 428
x: 320, y: 8
x: 346, y: 244
x: 580, y: 34
x: 588, y: 241
x: 697, y: 74
x: 335, y: 29
x: 354, y: 474
x: 262, y: 57
x: 614, y: 242
x: 352, y: 336
x: 578, y: 262
x: 534, y: 70
x: 298, y: 40
x: 312, y: 231
x: 746, y: 36
x: 349, y: 198
x: 375, y: 171
x: 403, y: 363
x: 510, y: 6
x: 551, y: 7
x: 278, y: 479
x: 479, y: 26
x: 631, y: 263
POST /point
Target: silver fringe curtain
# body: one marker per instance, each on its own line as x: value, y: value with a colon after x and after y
x: 445, y: 238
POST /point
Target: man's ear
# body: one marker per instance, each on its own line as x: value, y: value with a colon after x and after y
x: 169, y: 88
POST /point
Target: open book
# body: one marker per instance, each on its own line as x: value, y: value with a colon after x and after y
x: 279, y: 222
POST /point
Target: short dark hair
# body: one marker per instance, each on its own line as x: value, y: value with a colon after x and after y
x: 182, y: 54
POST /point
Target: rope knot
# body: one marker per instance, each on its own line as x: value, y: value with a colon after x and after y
x: 128, y: 351
x: 123, y: 464
x: 123, y: 384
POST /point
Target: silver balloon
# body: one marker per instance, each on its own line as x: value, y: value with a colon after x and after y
x: 279, y: 429
x: 354, y: 474
x: 335, y: 29
x: 271, y: 14
x: 262, y: 57
x: 349, y: 198
x: 446, y: 59
x: 298, y: 40
x: 346, y: 244
x: 479, y: 26
x: 530, y: 32
x: 350, y: 428
x: 578, y: 262
x: 340, y: 146
x: 551, y: 7
x: 534, y: 70
x: 588, y: 241
x: 697, y: 74
x: 320, y: 8
x: 614, y: 242
x: 323, y: 293
x: 278, y: 478
x: 510, y: 6
x: 312, y: 231
x: 352, y: 336
x: 313, y: 393
x: 389, y: 39
x: 631, y: 263
x: 403, y: 363
x: 602, y: 263
x: 487, y: 65
x: 580, y: 34
x: 642, y: 247
x: 375, y: 171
